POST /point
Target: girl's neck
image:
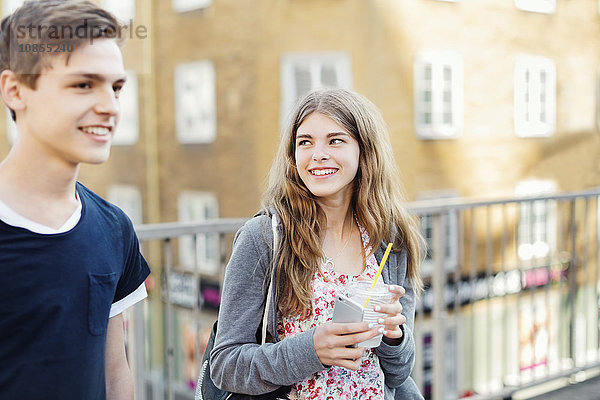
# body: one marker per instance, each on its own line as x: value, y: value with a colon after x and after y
x: 339, y: 221
x: 338, y: 213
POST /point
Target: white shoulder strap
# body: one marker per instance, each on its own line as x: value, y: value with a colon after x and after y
x: 265, y: 319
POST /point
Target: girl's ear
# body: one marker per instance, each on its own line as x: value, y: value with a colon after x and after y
x: 10, y: 86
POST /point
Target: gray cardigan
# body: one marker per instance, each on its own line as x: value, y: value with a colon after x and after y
x: 240, y: 365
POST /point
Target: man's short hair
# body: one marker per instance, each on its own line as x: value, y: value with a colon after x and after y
x: 39, y: 30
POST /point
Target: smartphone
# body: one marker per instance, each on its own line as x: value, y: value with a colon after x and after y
x: 346, y: 310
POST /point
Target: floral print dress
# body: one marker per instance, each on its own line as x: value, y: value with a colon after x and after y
x: 335, y: 383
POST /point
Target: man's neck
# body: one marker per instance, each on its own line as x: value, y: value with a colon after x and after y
x: 38, y: 174
x: 37, y: 188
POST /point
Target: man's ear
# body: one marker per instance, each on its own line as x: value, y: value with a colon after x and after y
x: 10, y: 86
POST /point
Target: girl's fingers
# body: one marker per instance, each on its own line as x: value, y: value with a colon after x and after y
x: 334, y: 343
x: 391, y: 309
x: 391, y: 322
x: 397, y: 291
x: 345, y: 329
x: 351, y: 365
x: 394, y: 332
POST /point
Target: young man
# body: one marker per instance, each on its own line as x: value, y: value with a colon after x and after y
x: 69, y: 261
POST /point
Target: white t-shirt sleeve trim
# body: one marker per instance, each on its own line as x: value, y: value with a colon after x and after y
x: 126, y: 302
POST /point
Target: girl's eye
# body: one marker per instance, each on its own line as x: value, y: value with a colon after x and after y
x: 303, y: 143
x: 336, y: 141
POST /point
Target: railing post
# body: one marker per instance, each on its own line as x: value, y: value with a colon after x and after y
x: 169, y: 317
x: 139, y: 344
x: 573, y: 285
x: 439, y: 308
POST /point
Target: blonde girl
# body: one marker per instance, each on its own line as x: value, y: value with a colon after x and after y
x: 335, y: 193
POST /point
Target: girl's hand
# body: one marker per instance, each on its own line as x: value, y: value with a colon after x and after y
x: 333, y: 343
x: 392, y: 333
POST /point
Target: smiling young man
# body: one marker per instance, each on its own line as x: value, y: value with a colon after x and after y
x: 70, y: 261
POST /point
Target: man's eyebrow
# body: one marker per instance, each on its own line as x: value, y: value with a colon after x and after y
x: 98, y: 77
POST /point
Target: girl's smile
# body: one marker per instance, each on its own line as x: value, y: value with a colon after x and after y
x: 324, y: 172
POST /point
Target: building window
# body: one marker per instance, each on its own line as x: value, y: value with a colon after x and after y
x: 537, y: 220
x: 128, y: 129
x: 541, y: 6
x: 450, y: 236
x: 122, y: 9
x: 438, y: 95
x: 301, y: 73
x: 11, y: 129
x: 190, y: 5
x: 198, y: 207
x: 127, y: 198
x: 535, y: 97
x: 195, y: 102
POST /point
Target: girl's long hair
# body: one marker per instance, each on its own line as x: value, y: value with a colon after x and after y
x: 377, y: 199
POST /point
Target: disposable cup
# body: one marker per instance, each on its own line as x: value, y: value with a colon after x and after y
x: 359, y: 291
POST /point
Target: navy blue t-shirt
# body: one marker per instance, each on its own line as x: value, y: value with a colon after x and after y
x: 56, y: 292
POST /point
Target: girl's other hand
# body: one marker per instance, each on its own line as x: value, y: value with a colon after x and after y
x: 392, y: 332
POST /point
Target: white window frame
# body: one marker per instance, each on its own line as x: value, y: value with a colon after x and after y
x: 536, y: 232
x: 124, y: 10
x: 196, y: 206
x: 340, y: 62
x: 128, y: 129
x: 195, y: 102
x: 182, y: 6
x: 450, y: 226
x: 438, y: 98
x: 129, y: 199
x: 539, y: 6
x: 535, y: 96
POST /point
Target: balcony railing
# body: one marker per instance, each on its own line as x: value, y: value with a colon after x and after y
x: 511, y: 300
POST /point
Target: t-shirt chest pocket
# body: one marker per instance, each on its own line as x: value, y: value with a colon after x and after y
x: 100, y: 296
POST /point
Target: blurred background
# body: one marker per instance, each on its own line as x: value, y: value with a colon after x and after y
x: 493, y: 107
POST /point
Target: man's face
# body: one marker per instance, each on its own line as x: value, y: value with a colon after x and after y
x: 72, y: 114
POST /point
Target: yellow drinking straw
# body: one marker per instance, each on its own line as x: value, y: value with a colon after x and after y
x: 383, y: 260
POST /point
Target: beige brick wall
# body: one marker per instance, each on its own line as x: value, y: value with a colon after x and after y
x: 247, y: 39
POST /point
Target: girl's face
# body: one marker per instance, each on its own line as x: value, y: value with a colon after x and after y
x: 326, y: 157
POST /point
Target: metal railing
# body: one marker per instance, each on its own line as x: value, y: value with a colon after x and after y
x: 511, y: 297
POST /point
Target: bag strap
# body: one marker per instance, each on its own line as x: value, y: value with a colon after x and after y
x: 265, y: 319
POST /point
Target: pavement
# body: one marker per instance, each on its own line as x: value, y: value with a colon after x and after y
x: 586, y: 390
